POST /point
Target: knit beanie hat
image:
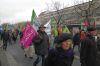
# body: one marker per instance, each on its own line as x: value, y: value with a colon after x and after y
x: 64, y: 36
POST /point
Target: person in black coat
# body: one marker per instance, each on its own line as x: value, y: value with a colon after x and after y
x: 98, y: 42
x: 98, y: 54
x: 41, y: 44
x: 76, y: 41
x: 5, y: 38
x: 88, y: 53
x: 61, y: 55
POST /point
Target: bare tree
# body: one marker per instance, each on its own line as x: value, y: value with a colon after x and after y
x: 57, y: 13
x: 86, y: 10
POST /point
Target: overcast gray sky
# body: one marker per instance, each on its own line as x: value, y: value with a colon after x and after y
x: 19, y: 10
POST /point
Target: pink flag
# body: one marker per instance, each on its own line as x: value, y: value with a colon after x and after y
x: 28, y: 35
x: 86, y: 23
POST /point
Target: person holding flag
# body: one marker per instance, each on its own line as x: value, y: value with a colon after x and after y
x: 41, y: 44
x: 26, y: 41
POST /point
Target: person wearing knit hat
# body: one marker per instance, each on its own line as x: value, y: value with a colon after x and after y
x: 63, y: 37
x: 91, y: 30
x: 41, y: 45
x: 88, y: 53
x: 63, y: 54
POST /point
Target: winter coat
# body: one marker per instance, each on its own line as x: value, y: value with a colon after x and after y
x: 59, y: 57
x: 14, y: 36
x: 98, y: 59
x: 41, y: 43
x: 21, y: 34
x: 88, y: 52
x: 98, y: 43
x: 98, y: 54
x: 5, y: 36
x: 76, y: 39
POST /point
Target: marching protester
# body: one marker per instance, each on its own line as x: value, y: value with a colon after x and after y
x: 88, y: 53
x: 98, y: 42
x: 29, y: 51
x: 97, y: 39
x: 5, y: 38
x: 82, y: 35
x: 76, y: 41
x: 21, y: 34
x: 26, y: 36
x: 14, y: 35
x: 61, y: 55
x: 10, y: 36
x: 41, y: 44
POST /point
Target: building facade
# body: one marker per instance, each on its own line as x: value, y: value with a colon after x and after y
x: 71, y: 15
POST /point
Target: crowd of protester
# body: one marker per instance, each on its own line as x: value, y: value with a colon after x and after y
x: 59, y: 50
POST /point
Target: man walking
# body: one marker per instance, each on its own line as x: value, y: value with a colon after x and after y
x: 41, y: 43
x: 5, y: 38
x: 76, y: 41
x: 89, y: 48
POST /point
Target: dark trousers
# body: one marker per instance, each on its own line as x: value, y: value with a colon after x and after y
x: 39, y: 58
x: 4, y: 44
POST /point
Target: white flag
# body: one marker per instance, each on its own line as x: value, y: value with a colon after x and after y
x: 48, y: 27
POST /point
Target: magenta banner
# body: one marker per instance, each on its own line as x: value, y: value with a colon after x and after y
x: 28, y: 35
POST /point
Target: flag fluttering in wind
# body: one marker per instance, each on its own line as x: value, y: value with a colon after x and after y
x: 28, y: 34
x: 54, y: 27
x: 86, y: 23
x: 65, y: 29
x: 35, y: 20
x: 55, y: 32
x: 48, y: 27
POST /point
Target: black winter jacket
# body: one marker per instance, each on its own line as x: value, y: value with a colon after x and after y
x: 88, y: 53
x: 5, y: 36
x: 59, y: 57
x: 41, y: 43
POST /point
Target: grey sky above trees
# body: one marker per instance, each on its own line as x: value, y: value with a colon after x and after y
x: 20, y: 10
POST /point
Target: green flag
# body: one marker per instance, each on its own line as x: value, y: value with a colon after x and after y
x: 65, y: 29
x: 33, y: 18
x: 55, y: 32
x: 54, y: 27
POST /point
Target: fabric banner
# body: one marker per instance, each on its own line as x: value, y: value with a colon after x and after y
x: 66, y: 30
x: 33, y: 17
x: 28, y: 35
x: 86, y: 23
x: 35, y: 21
x: 48, y: 27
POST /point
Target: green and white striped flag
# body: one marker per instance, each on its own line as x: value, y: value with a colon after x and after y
x: 34, y: 20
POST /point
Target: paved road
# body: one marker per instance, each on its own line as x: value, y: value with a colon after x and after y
x: 76, y: 60
x: 16, y: 57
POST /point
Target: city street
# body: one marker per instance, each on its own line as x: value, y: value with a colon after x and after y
x: 15, y: 56
x: 49, y: 24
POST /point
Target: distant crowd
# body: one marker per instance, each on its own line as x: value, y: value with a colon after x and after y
x: 58, y: 50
